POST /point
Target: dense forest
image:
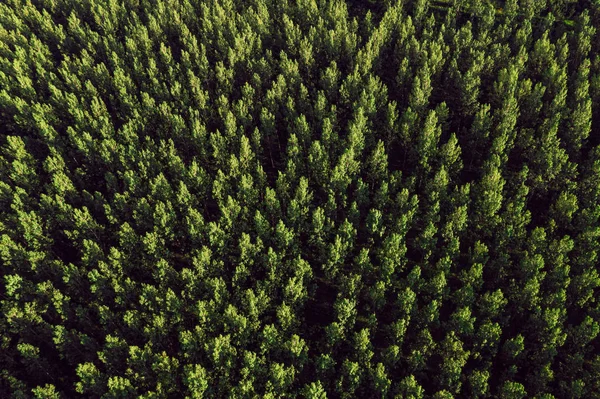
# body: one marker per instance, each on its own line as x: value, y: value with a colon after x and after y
x: 300, y: 199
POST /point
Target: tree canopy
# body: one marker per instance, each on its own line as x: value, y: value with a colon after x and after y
x: 289, y: 199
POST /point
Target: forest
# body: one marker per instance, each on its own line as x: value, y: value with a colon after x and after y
x: 300, y: 199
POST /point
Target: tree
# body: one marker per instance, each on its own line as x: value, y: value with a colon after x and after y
x: 315, y: 391
x: 478, y: 382
x: 455, y: 358
x: 119, y: 387
x: 427, y: 140
x: 349, y: 379
x: 512, y: 390
x: 47, y: 391
x: 488, y: 198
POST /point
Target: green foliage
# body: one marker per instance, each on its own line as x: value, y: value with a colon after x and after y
x: 299, y: 199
